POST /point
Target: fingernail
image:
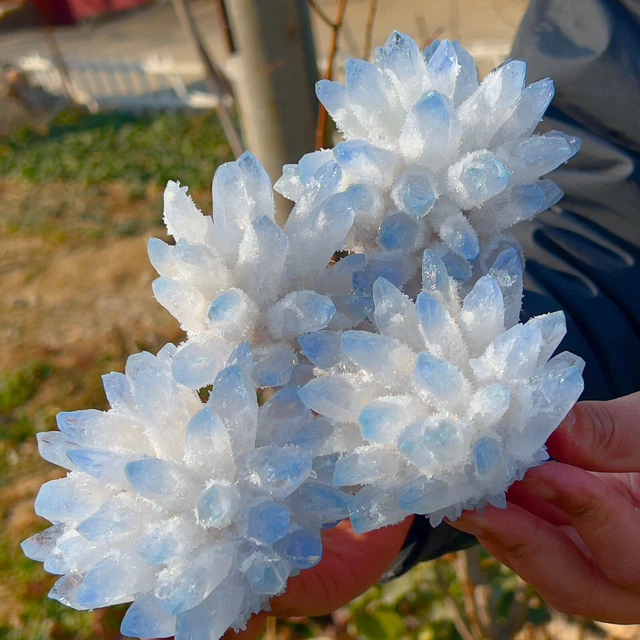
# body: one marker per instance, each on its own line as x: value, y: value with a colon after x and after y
x: 541, y: 489
x: 471, y: 523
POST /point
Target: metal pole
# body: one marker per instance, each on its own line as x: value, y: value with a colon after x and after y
x: 274, y: 81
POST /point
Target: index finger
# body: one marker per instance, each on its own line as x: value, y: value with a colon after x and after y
x: 605, y: 521
x: 600, y: 436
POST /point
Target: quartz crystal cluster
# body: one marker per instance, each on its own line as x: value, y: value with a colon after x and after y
x: 385, y: 389
x: 453, y: 401
x: 240, y: 276
x: 431, y: 157
x: 181, y: 506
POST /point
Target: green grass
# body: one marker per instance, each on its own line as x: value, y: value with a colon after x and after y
x: 17, y: 424
x: 93, y: 149
x: 19, y: 386
x: 102, y: 175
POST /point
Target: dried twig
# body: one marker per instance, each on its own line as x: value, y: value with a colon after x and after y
x: 368, y: 30
x: 454, y: 19
x: 425, y: 38
x: 482, y: 590
x: 225, y: 27
x: 483, y: 593
x: 458, y: 618
x: 435, y: 35
x: 270, y: 631
x: 57, y: 57
x: 517, y: 618
x: 321, y: 129
x: 337, y: 25
x: 320, y: 13
x: 582, y: 628
x: 468, y: 593
x: 58, y: 61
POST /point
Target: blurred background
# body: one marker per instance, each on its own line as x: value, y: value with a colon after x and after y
x: 103, y: 101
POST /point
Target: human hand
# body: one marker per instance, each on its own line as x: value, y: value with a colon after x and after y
x: 572, y: 528
x: 350, y: 564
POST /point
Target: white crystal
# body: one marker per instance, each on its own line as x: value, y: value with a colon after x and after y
x: 421, y: 132
x: 313, y: 385
x: 483, y: 399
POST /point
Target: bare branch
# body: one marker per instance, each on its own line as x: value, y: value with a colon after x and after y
x: 334, y: 40
x: 454, y: 19
x: 482, y: 590
x: 223, y: 19
x: 425, y: 38
x: 321, y: 129
x: 518, y: 612
x: 58, y: 61
x: 270, y: 631
x: 435, y: 35
x: 458, y: 618
x: 468, y: 593
x: 321, y: 14
x: 368, y: 31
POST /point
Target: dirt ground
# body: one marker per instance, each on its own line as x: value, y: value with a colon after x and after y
x: 67, y: 292
x: 76, y: 300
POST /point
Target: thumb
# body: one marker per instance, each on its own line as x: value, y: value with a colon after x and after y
x: 600, y: 436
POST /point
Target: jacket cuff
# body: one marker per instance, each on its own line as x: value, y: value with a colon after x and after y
x: 424, y: 542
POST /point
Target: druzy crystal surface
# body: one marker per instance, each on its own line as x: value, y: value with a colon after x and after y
x: 239, y: 275
x: 432, y: 157
x: 394, y: 377
x: 453, y: 404
x: 180, y: 506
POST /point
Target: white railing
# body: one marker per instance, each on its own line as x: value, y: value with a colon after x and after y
x: 154, y: 83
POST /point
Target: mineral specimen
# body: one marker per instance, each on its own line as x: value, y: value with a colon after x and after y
x: 240, y: 276
x: 431, y: 157
x: 180, y: 506
x: 393, y: 390
x: 453, y: 401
